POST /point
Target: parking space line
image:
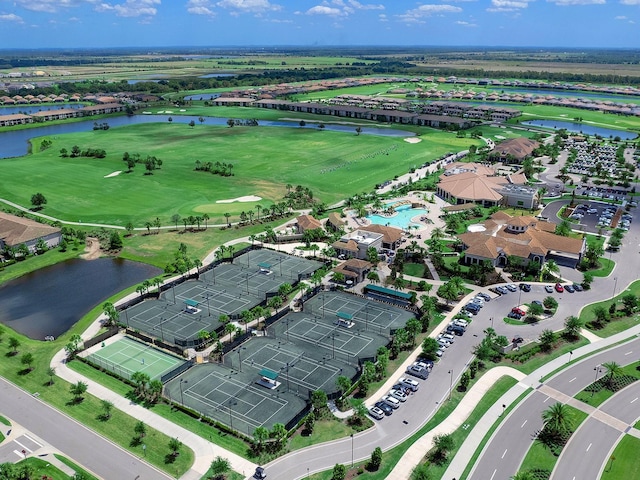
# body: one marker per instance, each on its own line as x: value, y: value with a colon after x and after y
x: 25, y: 448
x: 525, y: 422
x: 37, y: 443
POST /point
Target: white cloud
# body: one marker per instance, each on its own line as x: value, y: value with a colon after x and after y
x: 620, y: 17
x: 507, y: 5
x: 50, y: 6
x: 417, y: 15
x: 360, y: 6
x: 11, y: 17
x: 630, y: 2
x: 324, y: 10
x: 564, y: 3
x: 131, y: 8
x: 249, y: 6
x: 383, y: 18
x: 465, y: 24
x: 200, y: 7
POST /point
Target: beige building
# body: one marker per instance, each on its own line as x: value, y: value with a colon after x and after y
x: 15, y: 231
x: 525, y: 237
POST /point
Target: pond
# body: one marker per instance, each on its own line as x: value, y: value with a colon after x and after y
x: 15, y: 143
x: 582, y: 128
x: 49, y: 301
x: 217, y: 75
x: 567, y: 93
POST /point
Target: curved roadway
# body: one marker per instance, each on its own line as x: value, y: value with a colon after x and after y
x: 503, y: 454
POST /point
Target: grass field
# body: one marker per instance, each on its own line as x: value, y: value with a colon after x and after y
x: 626, y: 463
x: 598, y: 398
x: 616, y: 325
x: 265, y: 159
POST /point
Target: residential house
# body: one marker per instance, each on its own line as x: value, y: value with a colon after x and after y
x: 15, y: 231
x: 307, y: 222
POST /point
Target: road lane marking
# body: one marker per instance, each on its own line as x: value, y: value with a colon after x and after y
x: 505, y: 452
x: 525, y: 422
x: 589, y: 446
x: 634, y: 400
x: 545, y: 400
x: 37, y: 443
x: 572, y: 379
x: 494, y: 474
x: 25, y: 448
x: 629, y: 353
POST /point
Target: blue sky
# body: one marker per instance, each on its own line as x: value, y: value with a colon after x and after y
x: 120, y: 23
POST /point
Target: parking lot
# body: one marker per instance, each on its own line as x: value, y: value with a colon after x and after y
x: 592, y: 216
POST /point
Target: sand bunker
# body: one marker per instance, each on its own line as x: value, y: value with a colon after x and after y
x: 413, y: 140
x: 248, y: 198
x: 114, y: 174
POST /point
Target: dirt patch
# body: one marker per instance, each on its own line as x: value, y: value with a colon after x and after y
x: 92, y: 249
x: 413, y: 140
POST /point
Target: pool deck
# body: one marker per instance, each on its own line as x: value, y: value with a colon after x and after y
x: 424, y: 229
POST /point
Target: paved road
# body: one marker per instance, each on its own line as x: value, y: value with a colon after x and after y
x: 73, y: 439
x: 591, y: 445
x: 504, y: 453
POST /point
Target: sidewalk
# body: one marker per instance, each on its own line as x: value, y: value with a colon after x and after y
x: 205, y: 451
x: 473, y: 441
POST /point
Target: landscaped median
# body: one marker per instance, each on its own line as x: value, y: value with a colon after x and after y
x: 623, y: 462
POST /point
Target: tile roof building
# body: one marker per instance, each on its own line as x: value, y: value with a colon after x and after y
x: 525, y: 237
x: 475, y: 183
x: 307, y: 222
x: 516, y: 149
x: 15, y: 231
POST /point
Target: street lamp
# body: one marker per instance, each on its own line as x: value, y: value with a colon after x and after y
x: 597, y: 370
x: 504, y: 407
x: 491, y: 322
x: 570, y: 353
x: 240, y: 358
x: 207, y: 295
x: 352, y: 450
x: 615, y: 286
x: 182, y: 380
x: 450, y: 382
x: 333, y: 344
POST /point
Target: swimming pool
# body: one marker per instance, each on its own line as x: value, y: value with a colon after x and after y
x: 402, y: 218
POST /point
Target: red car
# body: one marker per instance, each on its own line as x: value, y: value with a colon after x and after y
x: 519, y: 311
x: 559, y: 288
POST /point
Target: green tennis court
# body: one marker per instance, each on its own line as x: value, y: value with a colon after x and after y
x: 125, y: 356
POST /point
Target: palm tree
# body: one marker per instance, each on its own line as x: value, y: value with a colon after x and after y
x: 205, y: 218
x: 51, y: 372
x: 550, y: 267
x: 557, y: 421
x: 523, y: 475
x: 227, y: 215
x: 258, y: 208
x: 613, y: 371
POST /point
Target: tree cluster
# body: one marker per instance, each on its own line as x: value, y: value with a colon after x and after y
x: 77, y: 152
x: 218, y: 168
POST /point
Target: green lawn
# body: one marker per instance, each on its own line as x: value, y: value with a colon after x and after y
x: 625, y: 465
x: 414, y: 269
x: 391, y: 457
x: 541, y: 457
x: 536, y: 361
x: 331, y: 164
x: 77, y: 468
x: 597, y: 398
x: 616, y: 325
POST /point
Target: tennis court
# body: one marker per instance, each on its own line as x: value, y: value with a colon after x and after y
x: 170, y: 322
x: 290, y: 268
x: 233, y: 397
x: 126, y: 356
x: 247, y: 281
x: 367, y: 314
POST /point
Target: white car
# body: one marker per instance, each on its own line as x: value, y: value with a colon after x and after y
x: 440, y: 352
x: 443, y: 343
x: 512, y: 287
x: 391, y: 401
x: 461, y: 322
x: 478, y: 301
x: 447, y: 336
x: 376, y: 413
x: 410, y: 383
x: 398, y: 395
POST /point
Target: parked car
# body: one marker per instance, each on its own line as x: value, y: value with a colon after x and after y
x: 525, y: 287
x: 514, y: 315
x: 456, y: 330
x: 424, y: 363
x: 448, y: 336
x: 477, y: 301
x: 461, y: 322
x: 577, y: 287
x: 538, y: 302
x: 517, y: 340
x: 519, y: 311
x: 559, y: 288
x: 398, y: 394
x: 484, y: 296
x: 386, y: 408
x: 569, y: 288
x: 442, y: 343
x: 473, y: 308
x: 548, y: 288
x: 391, y: 401
x: 512, y: 287
x: 440, y: 352
x: 376, y: 413
x: 260, y: 473
x: 502, y: 290
x: 417, y: 371
x: 410, y: 383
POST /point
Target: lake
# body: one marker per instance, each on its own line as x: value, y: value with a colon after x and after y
x: 28, y: 109
x: 581, y: 128
x: 51, y: 300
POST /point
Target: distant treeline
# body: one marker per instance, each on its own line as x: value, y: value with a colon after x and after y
x: 272, y: 77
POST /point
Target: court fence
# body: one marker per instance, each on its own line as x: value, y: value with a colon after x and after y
x: 100, y: 338
x: 276, y: 316
x: 107, y: 366
x: 165, y: 378
x: 176, y: 349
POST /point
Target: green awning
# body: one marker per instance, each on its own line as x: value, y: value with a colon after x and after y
x: 265, y: 265
x: 388, y: 292
x: 345, y: 316
x: 270, y: 374
x: 191, y: 303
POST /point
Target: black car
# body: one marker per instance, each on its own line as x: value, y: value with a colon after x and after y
x: 569, y: 288
x: 525, y: 287
x: 385, y: 407
x: 514, y: 315
x: 577, y: 287
x: 260, y: 473
x: 456, y: 330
